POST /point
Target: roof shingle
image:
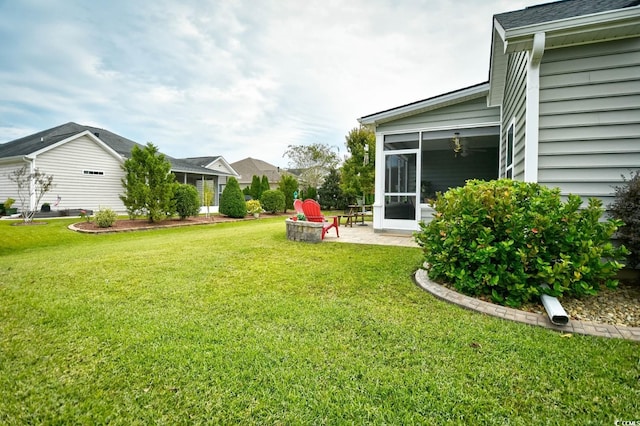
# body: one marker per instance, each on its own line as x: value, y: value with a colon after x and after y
x: 549, y: 12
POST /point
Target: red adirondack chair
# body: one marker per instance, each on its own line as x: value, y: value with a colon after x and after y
x: 311, y: 210
x: 297, y: 204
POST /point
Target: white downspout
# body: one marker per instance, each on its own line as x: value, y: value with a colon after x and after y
x: 532, y: 119
x: 32, y: 183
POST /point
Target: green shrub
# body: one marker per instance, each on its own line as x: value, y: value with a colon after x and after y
x: 105, y: 218
x: 187, y: 201
x: 626, y: 207
x: 505, y: 238
x: 232, y: 202
x: 311, y: 193
x: 288, y: 185
x: 273, y: 201
x: 253, y: 206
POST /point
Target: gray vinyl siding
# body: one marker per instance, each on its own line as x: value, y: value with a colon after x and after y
x: 590, y: 117
x: 467, y: 113
x: 7, y: 187
x: 77, y: 190
x: 514, y: 106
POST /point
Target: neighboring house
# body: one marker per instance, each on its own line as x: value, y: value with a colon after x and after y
x: 86, y: 163
x: 561, y: 107
x: 250, y: 167
x: 218, y: 164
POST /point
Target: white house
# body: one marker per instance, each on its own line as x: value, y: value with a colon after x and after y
x: 86, y: 165
x: 561, y: 107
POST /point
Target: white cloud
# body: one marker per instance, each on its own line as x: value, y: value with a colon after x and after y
x: 233, y: 78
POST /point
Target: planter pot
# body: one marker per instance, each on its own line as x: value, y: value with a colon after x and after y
x: 45, y: 208
x: 256, y: 215
x: 301, y: 230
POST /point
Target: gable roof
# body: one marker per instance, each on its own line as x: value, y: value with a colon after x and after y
x: 559, y: 10
x: 122, y: 146
x: 558, y: 24
x: 208, y: 163
x: 249, y: 167
x: 203, y: 161
x: 435, y: 102
x: 46, y: 138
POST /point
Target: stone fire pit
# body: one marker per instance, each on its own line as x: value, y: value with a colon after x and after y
x: 302, y: 230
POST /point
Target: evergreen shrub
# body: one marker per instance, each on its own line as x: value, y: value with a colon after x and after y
x: 105, y: 218
x: 232, y: 202
x: 187, y: 201
x: 505, y: 239
x: 626, y: 207
x: 272, y: 201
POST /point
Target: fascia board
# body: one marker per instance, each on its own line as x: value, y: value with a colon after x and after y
x: 206, y: 172
x: 226, y: 164
x: 14, y: 159
x: 87, y: 133
x: 427, y: 105
x: 497, y: 66
x: 521, y: 38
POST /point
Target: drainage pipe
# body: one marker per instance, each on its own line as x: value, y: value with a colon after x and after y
x: 556, y: 312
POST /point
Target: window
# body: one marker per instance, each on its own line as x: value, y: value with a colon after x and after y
x: 93, y: 172
x: 508, y: 172
x: 402, y: 141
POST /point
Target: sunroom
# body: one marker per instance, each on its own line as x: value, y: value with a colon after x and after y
x: 430, y: 146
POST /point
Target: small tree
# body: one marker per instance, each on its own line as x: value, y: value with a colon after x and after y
x: 358, y: 170
x: 256, y: 188
x: 31, y: 186
x: 313, y: 160
x: 232, y: 202
x: 207, y: 196
x: 148, y: 184
x: 265, y: 184
x: 330, y: 194
x: 272, y: 201
x: 311, y: 192
x: 288, y: 185
x: 187, y: 201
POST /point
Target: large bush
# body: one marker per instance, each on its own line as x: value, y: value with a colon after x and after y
x: 272, y: 201
x: 148, y: 183
x: 626, y: 207
x: 505, y: 238
x: 187, y: 200
x: 232, y: 200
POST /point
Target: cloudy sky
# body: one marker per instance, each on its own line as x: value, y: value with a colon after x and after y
x: 241, y: 78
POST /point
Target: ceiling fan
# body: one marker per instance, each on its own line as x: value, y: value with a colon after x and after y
x: 459, y: 148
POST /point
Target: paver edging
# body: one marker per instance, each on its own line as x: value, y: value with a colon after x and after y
x: 530, y: 318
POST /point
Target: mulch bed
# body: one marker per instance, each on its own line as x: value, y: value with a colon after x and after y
x: 143, y: 223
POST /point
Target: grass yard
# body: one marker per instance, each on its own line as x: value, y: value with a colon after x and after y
x: 232, y: 323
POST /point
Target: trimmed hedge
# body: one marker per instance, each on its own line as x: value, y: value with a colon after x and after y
x: 505, y: 238
x: 272, y: 201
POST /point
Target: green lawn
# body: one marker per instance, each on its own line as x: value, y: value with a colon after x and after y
x: 231, y: 323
